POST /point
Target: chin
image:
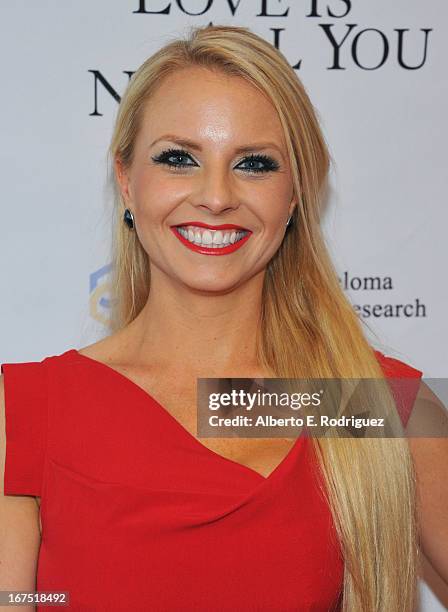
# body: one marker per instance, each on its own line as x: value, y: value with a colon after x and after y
x: 211, y: 284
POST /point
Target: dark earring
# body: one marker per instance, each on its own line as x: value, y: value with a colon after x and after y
x: 129, y: 218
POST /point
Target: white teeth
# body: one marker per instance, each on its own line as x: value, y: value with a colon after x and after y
x: 215, y: 239
x: 207, y: 237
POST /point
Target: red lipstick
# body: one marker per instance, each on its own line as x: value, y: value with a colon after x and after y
x: 215, y: 227
x: 204, y: 250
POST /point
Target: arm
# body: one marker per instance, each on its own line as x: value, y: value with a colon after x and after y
x: 430, y: 457
x: 19, y: 529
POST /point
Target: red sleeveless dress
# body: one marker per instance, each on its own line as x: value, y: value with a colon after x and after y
x: 137, y: 514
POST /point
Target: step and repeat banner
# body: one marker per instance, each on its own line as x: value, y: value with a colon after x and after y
x: 376, y: 74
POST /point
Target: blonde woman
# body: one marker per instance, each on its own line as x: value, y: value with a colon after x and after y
x: 220, y: 271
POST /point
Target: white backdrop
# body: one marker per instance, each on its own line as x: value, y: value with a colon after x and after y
x: 376, y: 73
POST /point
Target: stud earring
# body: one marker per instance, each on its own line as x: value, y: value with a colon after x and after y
x: 128, y: 218
x: 289, y: 220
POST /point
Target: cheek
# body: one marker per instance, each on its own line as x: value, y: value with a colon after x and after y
x: 272, y: 205
x: 155, y: 194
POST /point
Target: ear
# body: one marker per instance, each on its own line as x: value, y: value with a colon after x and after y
x: 292, y: 207
x: 122, y: 175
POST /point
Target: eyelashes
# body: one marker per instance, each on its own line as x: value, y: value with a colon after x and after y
x: 269, y: 164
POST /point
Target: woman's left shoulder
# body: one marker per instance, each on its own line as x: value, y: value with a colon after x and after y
x: 404, y: 381
x: 430, y: 459
x: 396, y: 368
x: 429, y: 455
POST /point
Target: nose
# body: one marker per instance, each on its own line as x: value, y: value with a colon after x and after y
x: 214, y: 191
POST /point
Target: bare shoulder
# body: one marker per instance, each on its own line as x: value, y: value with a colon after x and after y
x: 429, y: 416
x: 109, y: 350
x: 430, y: 458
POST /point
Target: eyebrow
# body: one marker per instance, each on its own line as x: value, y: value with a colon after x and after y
x: 185, y: 142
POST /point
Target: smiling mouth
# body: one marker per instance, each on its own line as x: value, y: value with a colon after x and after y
x: 202, y: 239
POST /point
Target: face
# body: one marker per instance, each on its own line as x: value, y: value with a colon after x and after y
x: 190, y: 172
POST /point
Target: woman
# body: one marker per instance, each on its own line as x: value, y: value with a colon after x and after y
x: 220, y: 271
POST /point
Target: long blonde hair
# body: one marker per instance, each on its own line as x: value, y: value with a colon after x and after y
x: 308, y: 327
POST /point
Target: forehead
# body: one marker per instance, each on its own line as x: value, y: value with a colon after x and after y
x: 199, y: 103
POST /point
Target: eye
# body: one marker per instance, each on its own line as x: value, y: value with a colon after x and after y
x: 173, y: 158
x: 268, y: 164
x: 257, y: 163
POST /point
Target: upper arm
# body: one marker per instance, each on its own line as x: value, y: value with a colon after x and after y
x: 19, y: 526
x: 430, y: 457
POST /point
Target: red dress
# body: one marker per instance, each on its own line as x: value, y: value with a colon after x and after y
x: 137, y: 514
